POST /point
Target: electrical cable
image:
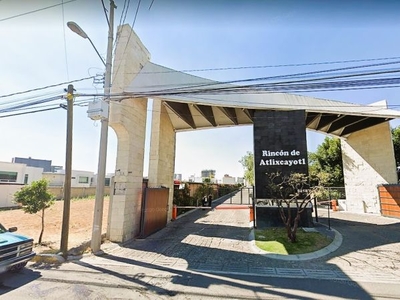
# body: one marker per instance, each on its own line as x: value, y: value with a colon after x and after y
x: 271, y: 66
x: 215, y: 83
x: 46, y: 87
x: 34, y: 11
x: 31, y: 112
x: 105, y: 12
x: 121, y: 21
x: 136, y: 14
x: 65, y: 40
x: 129, y: 38
x: 151, y: 4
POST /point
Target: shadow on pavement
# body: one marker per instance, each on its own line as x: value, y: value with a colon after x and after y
x: 191, y: 239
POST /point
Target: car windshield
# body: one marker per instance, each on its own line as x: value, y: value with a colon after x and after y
x: 2, y: 229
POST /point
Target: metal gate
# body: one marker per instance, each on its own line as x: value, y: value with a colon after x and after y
x: 241, y: 199
x: 389, y: 195
x: 154, y: 210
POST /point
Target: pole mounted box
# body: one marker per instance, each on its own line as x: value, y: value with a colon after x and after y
x: 98, y: 110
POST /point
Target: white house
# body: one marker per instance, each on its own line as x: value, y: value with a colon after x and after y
x: 228, y: 179
x: 19, y: 173
x: 12, y: 177
x: 78, y: 178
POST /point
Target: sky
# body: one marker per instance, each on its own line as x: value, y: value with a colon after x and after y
x: 255, y: 37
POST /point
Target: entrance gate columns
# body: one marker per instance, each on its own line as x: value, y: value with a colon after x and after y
x: 368, y: 160
x: 162, y: 151
x: 128, y: 119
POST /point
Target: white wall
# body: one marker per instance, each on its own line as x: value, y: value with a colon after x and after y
x: 54, y: 179
x: 58, y: 179
x: 228, y: 180
x: 34, y: 174
x: 78, y: 178
x: 7, y: 192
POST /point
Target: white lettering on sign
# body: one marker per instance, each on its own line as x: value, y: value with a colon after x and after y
x: 286, y: 162
x: 281, y: 162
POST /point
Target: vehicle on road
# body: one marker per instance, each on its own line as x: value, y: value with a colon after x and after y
x: 15, y: 250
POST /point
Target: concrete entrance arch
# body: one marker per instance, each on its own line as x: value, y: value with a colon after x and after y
x: 185, y: 102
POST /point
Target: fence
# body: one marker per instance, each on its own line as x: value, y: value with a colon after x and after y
x: 8, y: 190
x: 76, y: 192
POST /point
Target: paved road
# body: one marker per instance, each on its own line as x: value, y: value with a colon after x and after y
x: 207, y: 254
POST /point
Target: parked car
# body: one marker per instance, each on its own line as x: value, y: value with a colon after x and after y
x: 15, y: 250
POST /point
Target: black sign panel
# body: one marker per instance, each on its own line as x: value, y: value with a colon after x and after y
x: 280, y: 145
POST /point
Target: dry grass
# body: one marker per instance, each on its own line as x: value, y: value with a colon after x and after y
x: 80, y: 225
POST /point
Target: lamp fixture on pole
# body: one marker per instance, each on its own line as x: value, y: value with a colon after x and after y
x: 79, y: 31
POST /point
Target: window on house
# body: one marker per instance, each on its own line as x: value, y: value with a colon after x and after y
x: 107, y: 181
x: 83, y: 179
x: 8, y: 176
x: 26, y: 179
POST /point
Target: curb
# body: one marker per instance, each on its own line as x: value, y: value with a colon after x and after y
x: 336, y: 243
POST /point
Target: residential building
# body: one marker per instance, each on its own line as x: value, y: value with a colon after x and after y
x: 107, y: 179
x: 78, y: 178
x: 240, y: 180
x: 14, y: 176
x: 193, y: 178
x: 19, y: 173
x: 31, y: 162
x: 228, y: 179
x: 208, y: 174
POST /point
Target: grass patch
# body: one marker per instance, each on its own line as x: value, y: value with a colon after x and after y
x: 274, y: 240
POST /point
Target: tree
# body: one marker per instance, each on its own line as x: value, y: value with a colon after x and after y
x: 204, y: 189
x: 327, y: 163
x: 287, y: 192
x: 396, y: 144
x: 35, y: 198
x: 247, y: 162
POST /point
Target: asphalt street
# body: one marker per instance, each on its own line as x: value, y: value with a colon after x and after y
x: 209, y: 254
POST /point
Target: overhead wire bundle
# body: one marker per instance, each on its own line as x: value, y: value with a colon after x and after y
x: 365, y: 76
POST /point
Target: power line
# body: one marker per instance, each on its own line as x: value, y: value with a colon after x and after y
x: 136, y: 13
x: 29, y: 112
x: 105, y: 12
x: 30, y: 104
x: 151, y: 4
x: 273, y: 66
x: 124, y: 12
x: 65, y: 40
x: 129, y: 37
x: 312, y: 74
x: 46, y: 87
x: 34, y: 11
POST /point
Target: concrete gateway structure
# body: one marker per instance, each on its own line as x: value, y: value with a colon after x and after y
x: 185, y: 102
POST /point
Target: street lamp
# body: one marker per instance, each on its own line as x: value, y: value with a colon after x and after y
x: 101, y: 171
x: 79, y: 31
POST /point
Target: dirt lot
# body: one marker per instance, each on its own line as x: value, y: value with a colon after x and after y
x: 80, y: 229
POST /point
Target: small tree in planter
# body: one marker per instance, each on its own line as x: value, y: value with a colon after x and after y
x: 288, y: 190
x: 35, y: 198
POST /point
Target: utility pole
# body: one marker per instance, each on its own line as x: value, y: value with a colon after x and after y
x: 68, y: 171
x: 101, y: 171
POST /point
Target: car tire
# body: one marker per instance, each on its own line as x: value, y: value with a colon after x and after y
x: 18, y: 267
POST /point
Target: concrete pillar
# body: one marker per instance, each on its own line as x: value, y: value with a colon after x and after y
x: 368, y: 160
x: 162, y: 151
x: 128, y: 119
